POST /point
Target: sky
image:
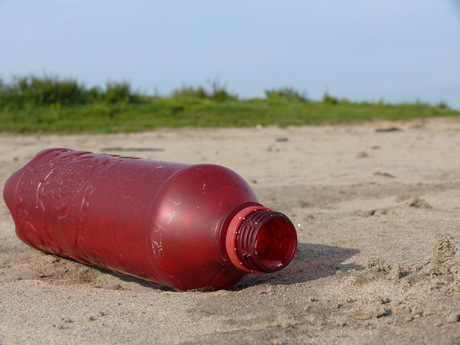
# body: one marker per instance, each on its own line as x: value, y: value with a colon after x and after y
x: 363, y: 50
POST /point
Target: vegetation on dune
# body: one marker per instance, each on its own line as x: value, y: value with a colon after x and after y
x: 50, y: 104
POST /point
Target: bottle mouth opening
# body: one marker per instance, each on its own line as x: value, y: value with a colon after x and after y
x: 275, y: 244
x: 261, y: 240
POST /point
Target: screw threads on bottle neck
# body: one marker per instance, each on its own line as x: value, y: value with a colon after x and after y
x: 261, y: 240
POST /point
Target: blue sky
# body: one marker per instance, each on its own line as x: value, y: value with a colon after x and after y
x: 396, y: 50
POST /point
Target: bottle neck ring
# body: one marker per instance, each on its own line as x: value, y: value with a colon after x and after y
x: 260, y: 240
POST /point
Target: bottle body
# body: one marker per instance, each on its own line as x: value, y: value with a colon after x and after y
x: 164, y: 222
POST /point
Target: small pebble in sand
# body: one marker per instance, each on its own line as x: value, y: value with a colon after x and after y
x: 375, y: 264
x: 453, y: 317
x: 388, y: 129
x: 420, y: 203
x: 384, y: 174
x: 362, y: 154
x: 395, y: 272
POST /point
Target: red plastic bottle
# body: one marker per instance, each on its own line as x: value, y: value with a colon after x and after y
x: 185, y: 226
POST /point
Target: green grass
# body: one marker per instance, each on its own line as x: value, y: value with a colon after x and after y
x: 50, y: 105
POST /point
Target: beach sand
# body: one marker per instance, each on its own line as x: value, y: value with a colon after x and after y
x: 377, y: 211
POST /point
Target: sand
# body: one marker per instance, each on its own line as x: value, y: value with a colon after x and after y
x: 376, y: 207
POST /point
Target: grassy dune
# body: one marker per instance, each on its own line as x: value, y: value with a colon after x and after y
x: 52, y: 105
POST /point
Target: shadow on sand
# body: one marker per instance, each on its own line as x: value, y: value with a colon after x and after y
x: 312, y: 261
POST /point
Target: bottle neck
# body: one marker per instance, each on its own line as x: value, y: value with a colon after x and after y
x: 260, y: 240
